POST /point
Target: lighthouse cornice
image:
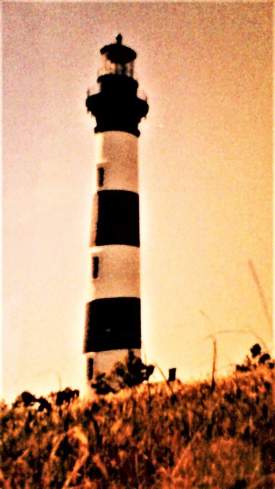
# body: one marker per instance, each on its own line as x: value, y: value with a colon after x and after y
x: 116, y: 106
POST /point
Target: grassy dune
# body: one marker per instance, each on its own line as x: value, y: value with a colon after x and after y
x: 153, y: 436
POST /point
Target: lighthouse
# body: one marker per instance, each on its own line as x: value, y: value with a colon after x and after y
x: 113, y: 313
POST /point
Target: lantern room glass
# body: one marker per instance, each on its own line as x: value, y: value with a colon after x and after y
x: 109, y: 67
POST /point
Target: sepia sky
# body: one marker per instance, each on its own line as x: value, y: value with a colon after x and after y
x: 205, y: 169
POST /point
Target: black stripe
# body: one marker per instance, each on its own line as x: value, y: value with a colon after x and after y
x: 118, y: 218
x: 112, y: 324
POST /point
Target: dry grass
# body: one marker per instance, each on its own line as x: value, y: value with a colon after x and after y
x: 146, y: 437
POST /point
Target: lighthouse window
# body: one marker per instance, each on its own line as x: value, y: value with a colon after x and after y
x: 100, y: 176
x: 95, y: 266
x: 90, y: 368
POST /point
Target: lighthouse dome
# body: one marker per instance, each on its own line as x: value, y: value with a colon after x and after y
x: 118, y: 53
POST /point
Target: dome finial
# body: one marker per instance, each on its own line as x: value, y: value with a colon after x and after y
x: 119, y: 39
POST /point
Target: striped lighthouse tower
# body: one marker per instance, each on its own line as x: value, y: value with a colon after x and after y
x: 113, y: 323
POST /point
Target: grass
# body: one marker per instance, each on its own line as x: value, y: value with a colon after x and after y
x: 152, y: 436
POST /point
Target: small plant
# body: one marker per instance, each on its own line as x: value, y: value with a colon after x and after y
x: 130, y: 373
x: 255, y: 359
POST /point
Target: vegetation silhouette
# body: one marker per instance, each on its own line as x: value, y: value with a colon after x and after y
x: 130, y: 373
x: 160, y: 436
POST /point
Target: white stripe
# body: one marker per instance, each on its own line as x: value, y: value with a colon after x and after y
x: 105, y: 360
x: 118, y: 272
x: 117, y: 153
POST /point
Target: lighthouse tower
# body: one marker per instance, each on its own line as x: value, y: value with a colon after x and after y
x: 113, y: 325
